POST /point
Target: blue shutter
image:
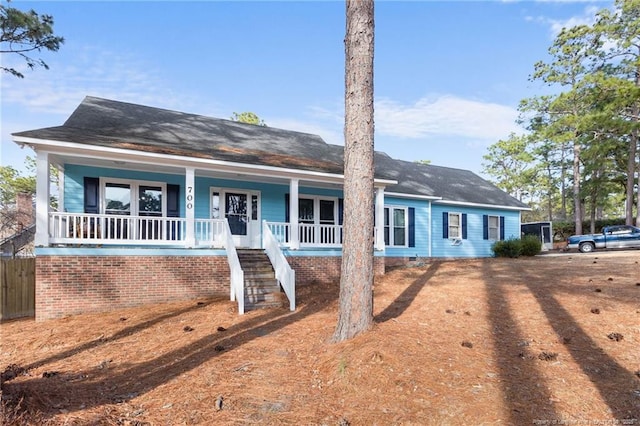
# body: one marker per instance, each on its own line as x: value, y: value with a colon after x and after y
x: 502, y: 227
x: 91, y: 197
x: 173, y: 200
x: 341, y: 210
x: 286, y: 208
x: 485, y: 227
x: 412, y: 227
x: 445, y: 224
x: 464, y: 226
x: 286, y: 215
x: 173, y: 210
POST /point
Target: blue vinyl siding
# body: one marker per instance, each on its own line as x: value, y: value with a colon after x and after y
x: 474, y: 245
x: 421, y: 248
x: 428, y: 221
x: 272, y: 195
x: 74, y: 177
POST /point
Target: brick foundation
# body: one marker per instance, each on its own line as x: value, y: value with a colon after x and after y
x: 394, y: 262
x: 68, y: 285
x: 320, y: 269
x: 71, y: 285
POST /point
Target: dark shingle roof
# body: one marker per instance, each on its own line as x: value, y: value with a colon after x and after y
x: 113, y: 124
x: 451, y: 184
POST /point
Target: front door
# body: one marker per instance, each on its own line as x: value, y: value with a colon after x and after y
x: 241, y: 211
x: 236, y: 211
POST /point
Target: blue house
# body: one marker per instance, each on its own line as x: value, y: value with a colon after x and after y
x: 157, y: 205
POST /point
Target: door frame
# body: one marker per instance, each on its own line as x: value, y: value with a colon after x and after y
x: 253, y: 239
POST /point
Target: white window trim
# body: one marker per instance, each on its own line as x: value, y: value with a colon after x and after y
x: 497, y: 228
x: 316, y: 207
x: 392, y: 226
x: 459, y: 226
x: 134, y: 186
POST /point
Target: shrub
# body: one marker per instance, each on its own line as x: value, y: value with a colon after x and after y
x: 530, y: 245
x: 507, y: 248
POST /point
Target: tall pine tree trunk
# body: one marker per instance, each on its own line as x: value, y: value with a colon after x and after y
x: 356, y: 282
x: 632, y: 166
x: 563, y: 182
x: 577, y: 202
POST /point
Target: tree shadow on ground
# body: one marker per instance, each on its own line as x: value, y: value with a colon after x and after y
x: 125, y: 332
x: 614, y: 383
x: 404, y: 300
x: 524, y: 390
x: 109, y: 387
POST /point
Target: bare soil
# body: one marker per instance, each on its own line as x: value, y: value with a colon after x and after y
x: 544, y: 340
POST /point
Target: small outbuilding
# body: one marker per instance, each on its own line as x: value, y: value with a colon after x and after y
x: 542, y: 230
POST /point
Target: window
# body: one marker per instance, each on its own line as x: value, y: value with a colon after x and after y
x: 117, y: 198
x: 327, y: 212
x: 215, y: 205
x: 318, y: 218
x: 455, y: 225
x: 132, y: 198
x: 395, y: 226
x: 306, y: 210
x: 122, y: 198
x: 149, y: 200
x: 494, y: 227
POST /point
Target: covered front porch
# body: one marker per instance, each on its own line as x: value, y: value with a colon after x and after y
x: 136, y: 210
x: 151, y: 205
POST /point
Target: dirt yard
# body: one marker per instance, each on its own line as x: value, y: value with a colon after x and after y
x: 545, y: 340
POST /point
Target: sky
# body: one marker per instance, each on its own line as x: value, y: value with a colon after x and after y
x: 448, y: 75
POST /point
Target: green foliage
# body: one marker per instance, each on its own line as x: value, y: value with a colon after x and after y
x: 582, y: 139
x: 510, y: 162
x: 26, y: 32
x: 426, y: 162
x: 507, y: 248
x: 12, y: 183
x: 249, y: 118
x: 563, y: 229
x: 530, y: 245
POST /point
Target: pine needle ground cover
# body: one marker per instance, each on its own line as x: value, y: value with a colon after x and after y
x: 514, y: 341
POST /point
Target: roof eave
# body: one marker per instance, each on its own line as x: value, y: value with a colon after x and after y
x: 95, y: 151
x: 481, y: 205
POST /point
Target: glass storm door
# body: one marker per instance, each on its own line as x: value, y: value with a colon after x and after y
x: 242, y: 211
x: 236, y: 211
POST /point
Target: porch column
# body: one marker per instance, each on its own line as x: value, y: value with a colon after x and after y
x: 189, y: 199
x: 379, y: 243
x: 294, y: 241
x: 42, y: 199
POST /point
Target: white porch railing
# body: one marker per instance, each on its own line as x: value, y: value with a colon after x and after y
x: 237, y: 274
x: 284, y: 274
x: 311, y: 235
x: 85, y: 228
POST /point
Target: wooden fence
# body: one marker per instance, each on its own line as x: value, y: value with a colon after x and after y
x: 18, y: 287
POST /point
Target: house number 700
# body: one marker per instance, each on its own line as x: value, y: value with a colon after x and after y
x: 189, y: 197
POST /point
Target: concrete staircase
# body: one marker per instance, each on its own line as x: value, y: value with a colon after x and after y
x: 261, y: 289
